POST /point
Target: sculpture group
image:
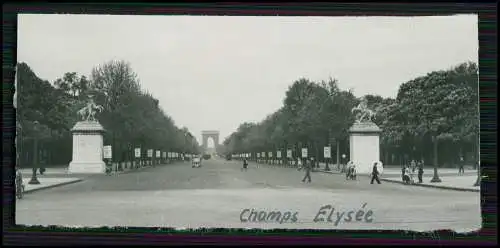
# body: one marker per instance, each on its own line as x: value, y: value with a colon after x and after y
x: 88, y: 112
x: 88, y: 141
x: 363, y: 113
x: 364, y: 138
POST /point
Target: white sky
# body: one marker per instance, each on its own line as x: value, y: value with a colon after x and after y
x: 214, y: 73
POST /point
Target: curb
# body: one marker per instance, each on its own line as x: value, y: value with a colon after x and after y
x: 52, y: 186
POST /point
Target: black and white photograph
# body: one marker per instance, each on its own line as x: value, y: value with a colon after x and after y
x: 251, y: 122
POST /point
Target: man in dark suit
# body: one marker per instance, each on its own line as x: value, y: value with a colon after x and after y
x: 420, y: 170
x: 461, y: 166
x: 245, y: 164
x: 307, y: 167
x: 375, y: 174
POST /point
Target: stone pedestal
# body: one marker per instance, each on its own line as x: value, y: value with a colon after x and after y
x: 87, y: 148
x: 364, y: 144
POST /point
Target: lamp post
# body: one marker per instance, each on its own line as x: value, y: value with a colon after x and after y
x: 34, y: 179
x: 435, y: 178
x: 343, y: 163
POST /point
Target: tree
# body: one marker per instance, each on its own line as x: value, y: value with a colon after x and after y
x: 440, y: 107
x: 131, y: 117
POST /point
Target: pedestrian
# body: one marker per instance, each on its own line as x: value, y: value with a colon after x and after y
x: 348, y: 168
x: 245, y: 164
x: 406, y: 175
x: 420, y: 170
x: 413, y: 165
x: 352, y: 174
x: 461, y: 166
x: 307, y: 168
x: 375, y: 174
x: 299, y: 164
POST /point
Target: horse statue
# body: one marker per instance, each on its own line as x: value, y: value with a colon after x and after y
x: 363, y: 113
x: 88, y: 112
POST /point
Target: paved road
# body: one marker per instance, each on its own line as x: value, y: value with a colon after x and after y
x: 216, y: 194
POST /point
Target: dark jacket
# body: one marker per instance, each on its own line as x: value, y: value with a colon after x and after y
x: 375, y: 171
x: 308, y: 165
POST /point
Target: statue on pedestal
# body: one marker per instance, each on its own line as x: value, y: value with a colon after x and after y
x: 364, y: 139
x: 88, y: 112
x: 88, y: 141
x: 363, y: 113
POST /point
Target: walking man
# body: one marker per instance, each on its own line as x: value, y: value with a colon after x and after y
x: 245, y: 164
x: 420, y: 170
x: 307, y: 168
x: 375, y: 174
x: 461, y: 166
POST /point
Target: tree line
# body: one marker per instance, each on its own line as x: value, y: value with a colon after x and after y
x: 131, y: 117
x: 435, y: 114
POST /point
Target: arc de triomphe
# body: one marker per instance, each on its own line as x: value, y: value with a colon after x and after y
x: 210, y: 134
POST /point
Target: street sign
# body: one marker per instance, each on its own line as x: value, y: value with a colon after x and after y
x: 158, y: 153
x: 258, y: 155
x: 327, y: 152
x: 289, y: 153
x: 270, y: 154
x: 137, y: 152
x: 107, y: 152
x: 304, y: 152
x: 263, y: 154
x: 278, y: 154
x: 150, y: 153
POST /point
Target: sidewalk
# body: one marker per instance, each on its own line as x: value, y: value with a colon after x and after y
x: 449, y: 178
x: 460, y: 183
x: 46, y: 183
x: 63, y: 171
x: 55, y: 177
